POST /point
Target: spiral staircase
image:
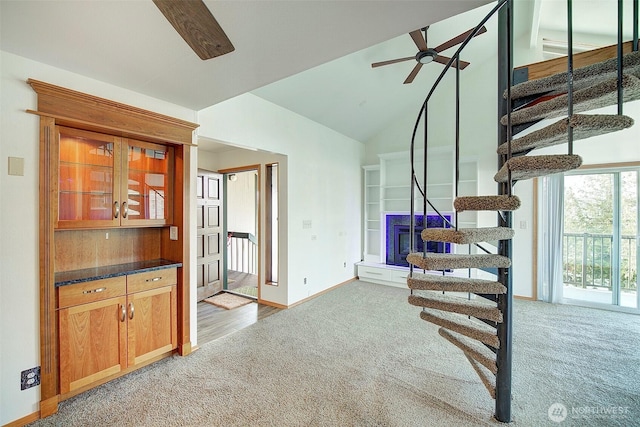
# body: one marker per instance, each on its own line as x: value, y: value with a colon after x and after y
x: 481, y: 325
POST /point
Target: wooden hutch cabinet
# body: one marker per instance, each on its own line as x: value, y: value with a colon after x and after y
x: 114, y: 279
x: 107, y: 181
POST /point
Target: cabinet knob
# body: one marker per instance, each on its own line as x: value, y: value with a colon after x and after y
x: 125, y: 209
x: 116, y: 209
x: 123, y: 313
x: 131, y: 310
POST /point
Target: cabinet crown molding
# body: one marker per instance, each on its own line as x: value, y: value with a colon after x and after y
x: 78, y: 109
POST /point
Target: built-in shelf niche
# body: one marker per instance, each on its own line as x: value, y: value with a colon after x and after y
x: 387, y: 188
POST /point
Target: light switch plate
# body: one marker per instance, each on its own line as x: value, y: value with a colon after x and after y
x: 16, y: 166
x: 173, y: 232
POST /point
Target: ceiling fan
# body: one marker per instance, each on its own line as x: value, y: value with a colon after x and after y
x: 426, y: 54
x: 197, y: 26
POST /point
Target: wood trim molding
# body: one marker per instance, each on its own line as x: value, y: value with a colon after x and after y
x: 24, y: 420
x: 302, y: 301
x: 93, y: 113
x: 48, y: 324
x: 550, y: 67
x: 246, y: 168
x: 534, y: 241
x: 610, y: 165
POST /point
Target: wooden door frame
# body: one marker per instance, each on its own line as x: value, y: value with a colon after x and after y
x: 268, y: 202
x: 248, y: 168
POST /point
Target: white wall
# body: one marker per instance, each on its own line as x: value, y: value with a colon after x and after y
x: 19, y: 277
x: 324, y: 186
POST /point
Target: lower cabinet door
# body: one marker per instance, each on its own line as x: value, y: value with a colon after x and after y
x: 152, y: 323
x: 93, y: 342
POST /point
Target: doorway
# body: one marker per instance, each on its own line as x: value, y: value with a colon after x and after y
x: 600, y: 262
x: 242, y: 210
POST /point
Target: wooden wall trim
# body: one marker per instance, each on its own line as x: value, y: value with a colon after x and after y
x: 534, y: 242
x: 550, y: 67
x: 48, y: 324
x: 72, y: 107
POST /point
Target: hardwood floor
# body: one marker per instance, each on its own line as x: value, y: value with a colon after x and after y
x: 215, y: 322
x: 238, y: 279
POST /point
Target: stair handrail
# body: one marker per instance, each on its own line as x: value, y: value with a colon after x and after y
x: 423, y: 110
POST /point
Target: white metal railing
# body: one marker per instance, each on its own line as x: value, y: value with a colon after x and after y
x: 242, y: 252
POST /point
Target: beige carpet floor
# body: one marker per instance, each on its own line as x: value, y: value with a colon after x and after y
x: 361, y: 356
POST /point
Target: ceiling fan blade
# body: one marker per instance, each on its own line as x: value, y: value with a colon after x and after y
x: 413, y: 73
x: 458, y: 39
x: 197, y: 26
x: 444, y: 59
x: 392, y: 61
x: 418, y: 39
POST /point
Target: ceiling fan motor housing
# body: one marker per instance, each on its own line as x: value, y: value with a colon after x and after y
x: 424, y: 57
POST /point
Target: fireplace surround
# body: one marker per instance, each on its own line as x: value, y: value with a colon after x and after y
x: 397, y: 235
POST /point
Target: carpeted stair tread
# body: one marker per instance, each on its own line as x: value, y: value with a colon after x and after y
x: 597, y: 96
x: 475, y: 308
x: 464, y: 236
x: 437, y: 282
x: 487, y: 378
x: 476, y: 351
x: 527, y: 167
x: 486, y: 203
x: 584, y: 126
x: 582, y: 77
x: 462, y: 325
x: 432, y: 261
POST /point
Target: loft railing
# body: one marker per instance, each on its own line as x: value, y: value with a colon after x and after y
x: 588, y: 261
x: 242, y: 252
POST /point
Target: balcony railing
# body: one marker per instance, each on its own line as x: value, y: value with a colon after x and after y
x: 242, y: 252
x: 588, y: 260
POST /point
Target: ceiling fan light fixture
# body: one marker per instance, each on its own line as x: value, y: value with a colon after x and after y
x: 426, y: 56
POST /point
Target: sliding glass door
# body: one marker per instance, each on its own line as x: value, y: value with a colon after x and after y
x: 599, y: 242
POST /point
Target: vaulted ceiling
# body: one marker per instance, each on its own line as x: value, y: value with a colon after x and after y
x: 130, y: 44
x: 310, y: 56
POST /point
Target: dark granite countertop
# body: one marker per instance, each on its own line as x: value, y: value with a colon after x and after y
x: 87, y: 274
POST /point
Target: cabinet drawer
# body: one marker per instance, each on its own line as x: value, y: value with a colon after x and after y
x: 365, y: 272
x: 152, y: 279
x: 95, y: 290
x: 399, y: 276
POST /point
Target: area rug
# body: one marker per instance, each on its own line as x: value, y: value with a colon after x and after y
x: 228, y: 301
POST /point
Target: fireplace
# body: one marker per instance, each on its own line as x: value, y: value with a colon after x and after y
x: 398, y: 236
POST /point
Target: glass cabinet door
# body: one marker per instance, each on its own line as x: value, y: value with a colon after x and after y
x: 87, y: 179
x: 147, y: 183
